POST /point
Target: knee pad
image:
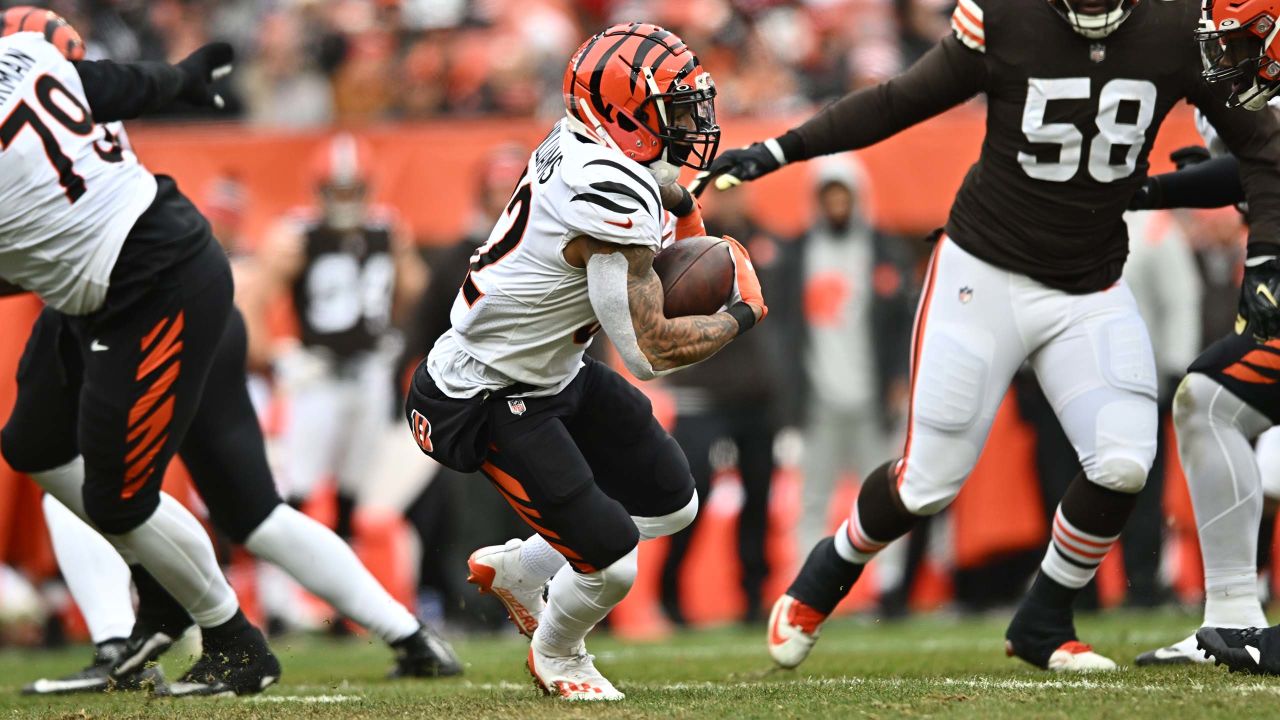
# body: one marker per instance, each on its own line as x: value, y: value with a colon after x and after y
x: 1192, y: 399
x: 935, y: 471
x: 669, y: 524
x: 1121, y: 474
x: 615, y: 581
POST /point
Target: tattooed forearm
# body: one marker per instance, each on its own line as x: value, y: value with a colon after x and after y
x: 670, y: 342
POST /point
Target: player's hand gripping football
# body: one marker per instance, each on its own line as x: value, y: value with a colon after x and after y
x: 1259, y: 309
x: 734, y: 167
x: 746, y: 286
x: 202, y: 68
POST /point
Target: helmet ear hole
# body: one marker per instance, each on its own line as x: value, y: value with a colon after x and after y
x: 625, y: 123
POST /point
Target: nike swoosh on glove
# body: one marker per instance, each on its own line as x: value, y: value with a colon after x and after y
x: 201, y: 68
x: 1259, y: 295
x: 734, y: 167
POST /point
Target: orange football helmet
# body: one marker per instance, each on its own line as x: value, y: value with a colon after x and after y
x: 24, y: 18
x: 1238, y: 45
x: 638, y: 88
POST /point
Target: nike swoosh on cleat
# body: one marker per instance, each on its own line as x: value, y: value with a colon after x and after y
x: 1262, y: 290
x: 1255, y: 654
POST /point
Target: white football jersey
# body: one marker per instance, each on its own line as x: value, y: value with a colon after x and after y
x: 69, y: 191
x: 523, y: 314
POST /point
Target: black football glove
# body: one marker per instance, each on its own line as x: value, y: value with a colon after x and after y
x: 1189, y: 155
x: 1259, y: 309
x: 201, y: 68
x: 734, y: 167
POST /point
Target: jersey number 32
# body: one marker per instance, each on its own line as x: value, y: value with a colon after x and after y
x: 1136, y: 97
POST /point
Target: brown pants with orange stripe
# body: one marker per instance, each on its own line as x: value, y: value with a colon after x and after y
x: 577, y: 466
x: 140, y: 366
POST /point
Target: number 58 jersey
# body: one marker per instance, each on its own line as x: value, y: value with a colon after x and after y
x: 523, y: 314
x: 1070, y: 124
x: 69, y: 190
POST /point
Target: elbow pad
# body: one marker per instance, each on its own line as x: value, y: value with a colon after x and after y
x: 607, y: 289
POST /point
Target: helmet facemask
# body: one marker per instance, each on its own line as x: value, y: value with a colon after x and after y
x: 1241, y: 54
x: 684, y: 119
x: 1094, y: 26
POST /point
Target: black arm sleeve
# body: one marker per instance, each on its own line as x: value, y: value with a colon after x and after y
x: 1254, y: 138
x: 1211, y: 184
x: 124, y: 91
x: 946, y: 76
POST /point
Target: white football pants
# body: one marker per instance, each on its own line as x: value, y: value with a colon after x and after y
x: 976, y: 325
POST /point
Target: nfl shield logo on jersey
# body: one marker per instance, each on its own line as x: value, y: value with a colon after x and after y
x: 421, y: 431
x: 517, y: 407
x: 966, y: 294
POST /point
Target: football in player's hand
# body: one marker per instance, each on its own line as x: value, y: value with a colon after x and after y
x: 696, y: 275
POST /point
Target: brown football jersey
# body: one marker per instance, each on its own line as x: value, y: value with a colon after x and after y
x: 1070, y: 123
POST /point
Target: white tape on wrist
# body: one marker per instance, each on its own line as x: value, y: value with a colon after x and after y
x: 776, y: 150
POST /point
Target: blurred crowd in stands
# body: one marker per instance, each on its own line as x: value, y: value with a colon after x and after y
x: 306, y: 63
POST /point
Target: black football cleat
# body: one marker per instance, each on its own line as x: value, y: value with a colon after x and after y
x: 424, y: 654
x: 96, y: 677
x: 142, y: 650
x: 1250, y: 650
x: 240, y: 665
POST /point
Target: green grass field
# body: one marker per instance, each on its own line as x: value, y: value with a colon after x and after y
x: 932, y: 667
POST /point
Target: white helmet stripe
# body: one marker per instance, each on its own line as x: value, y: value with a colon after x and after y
x: 344, y: 160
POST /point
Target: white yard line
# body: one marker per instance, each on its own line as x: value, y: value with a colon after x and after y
x: 305, y: 699
x: 974, y: 683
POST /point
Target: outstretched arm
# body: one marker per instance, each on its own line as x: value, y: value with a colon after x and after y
x: 950, y: 73
x: 124, y: 91
x: 627, y: 298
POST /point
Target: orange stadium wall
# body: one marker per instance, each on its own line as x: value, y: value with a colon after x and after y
x: 427, y: 171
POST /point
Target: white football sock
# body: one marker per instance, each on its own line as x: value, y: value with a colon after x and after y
x: 1214, y: 432
x: 324, y: 564
x: 539, y: 559
x: 95, y: 574
x: 577, y: 601
x: 173, y: 547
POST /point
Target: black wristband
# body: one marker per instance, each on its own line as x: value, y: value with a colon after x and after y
x: 745, y: 316
x: 685, y: 206
x: 792, y: 146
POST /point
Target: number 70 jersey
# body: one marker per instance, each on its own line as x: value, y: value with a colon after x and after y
x: 69, y: 189
x: 523, y: 313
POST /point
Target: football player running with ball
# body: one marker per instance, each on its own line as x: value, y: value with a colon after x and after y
x: 1027, y: 269
x: 571, y: 445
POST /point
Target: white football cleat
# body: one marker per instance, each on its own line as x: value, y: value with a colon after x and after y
x: 1077, y: 657
x: 496, y: 570
x: 793, y: 630
x: 571, y: 677
x: 1183, y: 652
